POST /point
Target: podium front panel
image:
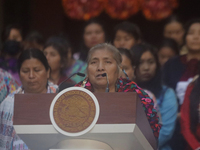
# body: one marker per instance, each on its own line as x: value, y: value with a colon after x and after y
x: 120, y: 111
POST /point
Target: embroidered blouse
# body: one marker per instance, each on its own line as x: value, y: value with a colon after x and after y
x: 7, y: 84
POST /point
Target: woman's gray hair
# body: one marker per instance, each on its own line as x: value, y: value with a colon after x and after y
x: 106, y: 46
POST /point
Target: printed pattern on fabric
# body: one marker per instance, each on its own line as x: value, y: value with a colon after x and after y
x: 3, y: 90
x: 10, y: 65
x: 7, y: 84
x: 124, y: 85
x: 9, y: 140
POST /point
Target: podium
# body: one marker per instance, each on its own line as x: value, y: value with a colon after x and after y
x: 122, y: 124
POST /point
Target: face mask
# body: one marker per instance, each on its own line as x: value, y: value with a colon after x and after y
x: 11, y: 48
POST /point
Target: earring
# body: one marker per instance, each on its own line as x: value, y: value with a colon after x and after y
x: 84, y: 82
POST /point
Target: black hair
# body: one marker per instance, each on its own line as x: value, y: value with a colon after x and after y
x: 155, y: 84
x: 129, y: 28
x: 94, y: 21
x: 127, y: 53
x: 11, y: 48
x: 32, y: 53
x: 194, y: 104
x: 188, y: 25
x: 35, y: 36
x: 6, y: 32
x: 173, y: 18
x: 62, y: 46
x: 171, y: 43
x: 84, y: 49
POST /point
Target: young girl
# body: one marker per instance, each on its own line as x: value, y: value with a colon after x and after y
x: 126, y: 35
x: 167, y: 49
x: 93, y: 34
x: 56, y: 52
x: 148, y: 76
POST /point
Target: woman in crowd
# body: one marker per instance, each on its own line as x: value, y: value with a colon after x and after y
x: 128, y: 70
x: 126, y: 35
x: 178, y: 72
x: 190, y: 116
x: 8, y: 58
x: 174, y: 29
x: 167, y: 49
x: 148, y: 76
x: 105, y: 58
x: 127, y: 64
x: 33, y: 40
x: 34, y: 72
x: 94, y: 33
x: 58, y: 53
x: 12, y: 32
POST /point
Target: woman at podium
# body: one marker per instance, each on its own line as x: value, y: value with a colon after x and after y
x: 103, y: 75
x: 34, y: 72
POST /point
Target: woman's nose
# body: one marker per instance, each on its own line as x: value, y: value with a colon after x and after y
x: 174, y: 35
x: 100, y: 66
x: 121, y: 43
x: 94, y: 35
x: 47, y: 56
x: 31, y: 74
x: 146, y: 66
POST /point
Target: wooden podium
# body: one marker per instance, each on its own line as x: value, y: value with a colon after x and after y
x: 122, y: 124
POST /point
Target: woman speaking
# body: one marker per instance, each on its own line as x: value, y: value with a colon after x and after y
x: 103, y: 74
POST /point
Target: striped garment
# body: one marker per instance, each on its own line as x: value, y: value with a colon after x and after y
x: 9, y: 140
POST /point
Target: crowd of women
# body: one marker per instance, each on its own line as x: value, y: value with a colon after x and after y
x: 165, y: 77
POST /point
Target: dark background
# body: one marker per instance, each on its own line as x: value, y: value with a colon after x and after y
x: 47, y: 16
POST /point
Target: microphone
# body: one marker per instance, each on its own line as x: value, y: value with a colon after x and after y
x: 103, y: 75
x: 69, y: 85
x: 79, y: 74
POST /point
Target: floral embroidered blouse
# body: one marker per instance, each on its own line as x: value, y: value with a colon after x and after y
x: 124, y: 85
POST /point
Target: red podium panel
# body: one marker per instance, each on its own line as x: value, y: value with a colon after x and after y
x: 122, y: 123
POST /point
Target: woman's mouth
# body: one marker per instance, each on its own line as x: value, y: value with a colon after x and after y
x: 99, y: 76
x: 32, y: 83
x: 147, y: 75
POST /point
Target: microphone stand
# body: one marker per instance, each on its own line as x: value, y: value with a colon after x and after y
x: 77, y: 73
x: 103, y: 75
